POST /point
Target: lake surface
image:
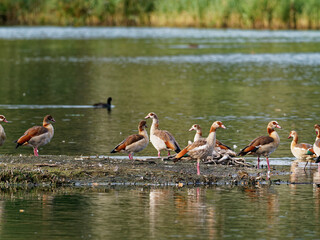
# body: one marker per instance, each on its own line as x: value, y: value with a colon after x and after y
x: 185, y: 76
x: 221, y: 212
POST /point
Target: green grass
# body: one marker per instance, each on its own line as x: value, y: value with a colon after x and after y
x: 260, y: 14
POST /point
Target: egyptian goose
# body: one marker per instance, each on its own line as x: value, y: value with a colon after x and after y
x: 134, y: 143
x: 104, y: 105
x: 198, y: 130
x: 219, y: 146
x: 201, y: 148
x: 2, y: 133
x: 316, y: 145
x: 161, y: 139
x: 38, y: 135
x: 299, y: 150
x: 264, y: 145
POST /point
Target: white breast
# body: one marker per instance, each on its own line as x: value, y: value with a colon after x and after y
x: 2, y: 135
x: 316, y: 147
x: 157, y: 142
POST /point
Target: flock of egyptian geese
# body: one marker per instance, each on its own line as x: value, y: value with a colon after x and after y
x: 201, y: 148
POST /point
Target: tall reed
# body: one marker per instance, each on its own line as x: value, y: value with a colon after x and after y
x: 273, y: 14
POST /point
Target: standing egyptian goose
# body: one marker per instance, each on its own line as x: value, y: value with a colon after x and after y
x: 2, y: 133
x: 161, y: 139
x: 202, y: 148
x: 104, y: 105
x: 38, y: 135
x: 264, y: 145
x: 316, y: 145
x: 299, y: 150
x: 219, y: 146
x: 134, y: 143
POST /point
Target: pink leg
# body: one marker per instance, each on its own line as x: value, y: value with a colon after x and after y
x: 158, y: 154
x: 198, y: 167
x: 130, y: 157
x: 35, y: 151
x: 258, y: 166
x: 268, y: 164
x: 168, y: 153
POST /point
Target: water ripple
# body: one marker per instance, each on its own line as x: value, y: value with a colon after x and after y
x: 157, y: 33
x: 312, y: 59
x: 25, y: 106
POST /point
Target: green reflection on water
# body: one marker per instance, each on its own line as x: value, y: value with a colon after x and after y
x: 161, y: 213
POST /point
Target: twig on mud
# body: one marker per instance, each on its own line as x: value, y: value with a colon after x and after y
x: 46, y: 165
x: 222, y: 159
x: 227, y: 160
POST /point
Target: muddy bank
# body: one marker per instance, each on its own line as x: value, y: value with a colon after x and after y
x: 81, y: 171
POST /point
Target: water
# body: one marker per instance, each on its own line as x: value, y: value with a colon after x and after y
x: 162, y: 213
x: 186, y: 76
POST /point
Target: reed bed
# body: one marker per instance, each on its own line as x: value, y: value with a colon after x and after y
x: 247, y: 14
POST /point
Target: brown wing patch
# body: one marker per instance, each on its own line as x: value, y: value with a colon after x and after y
x: 129, y: 140
x: 254, y: 145
x: 221, y: 145
x: 246, y: 150
x: 196, y: 144
x: 30, y: 133
x: 304, y: 146
x: 133, y: 138
x: 162, y: 134
x: 261, y: 141
x: 168, y: 139
x: 121, y: 146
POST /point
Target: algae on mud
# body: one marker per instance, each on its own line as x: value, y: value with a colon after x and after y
x: 70, y: 170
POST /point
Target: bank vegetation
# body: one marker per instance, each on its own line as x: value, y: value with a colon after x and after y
x: 244, y: 14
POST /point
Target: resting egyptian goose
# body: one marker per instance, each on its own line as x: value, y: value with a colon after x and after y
x: 299, y: 150
x: 38, y: 135
x: 264, y: 145
x: 104, y: 105
x: 202, y: 148
x: 2, y: 133
x: 134, y: 143
x: 161, y: 139
x: 219, y: 146
x: 316, y: 145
